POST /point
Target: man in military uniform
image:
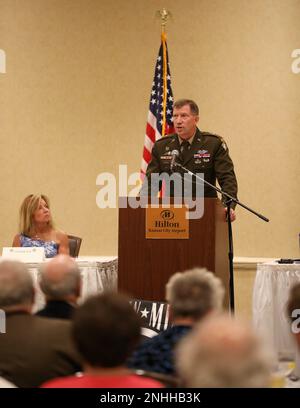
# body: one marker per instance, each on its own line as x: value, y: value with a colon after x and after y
x: 199, y: 152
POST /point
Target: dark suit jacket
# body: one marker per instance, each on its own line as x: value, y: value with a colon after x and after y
x: 58, y: 309
x: 208, y: 154
x: 34, y: 350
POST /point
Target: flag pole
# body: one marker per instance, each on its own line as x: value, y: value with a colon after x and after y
x: 159, y: 121
x: 164, y: 16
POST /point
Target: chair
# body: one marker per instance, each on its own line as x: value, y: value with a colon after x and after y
x: 74, y: 245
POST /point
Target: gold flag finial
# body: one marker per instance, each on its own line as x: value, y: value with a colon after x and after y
x: 164, y: 15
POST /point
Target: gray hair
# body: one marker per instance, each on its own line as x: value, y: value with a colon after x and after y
x: 16, y: 285
x: 223, y: 353
x: 195, y: 292
x: 67, y: 285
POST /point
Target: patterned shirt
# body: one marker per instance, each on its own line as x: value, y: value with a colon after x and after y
x: 51, y: 247
x: 157, y: 353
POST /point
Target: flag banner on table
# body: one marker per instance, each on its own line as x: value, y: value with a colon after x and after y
x: 154, y: 316
x: 160, y: 113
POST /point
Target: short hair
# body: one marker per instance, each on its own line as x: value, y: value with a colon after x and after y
x: 29, y: 205
x: 106, y: 329
x: 68, y: 284
x: 223, y: 353
x: 194, y: 293
x: 293, y: 301
x: 16, y: 285
x: 182, y: 102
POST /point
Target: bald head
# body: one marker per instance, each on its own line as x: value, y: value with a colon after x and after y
x: 16, y: 286
x: 60, y: 279
x: 223, y: 352
x: 223, y: 335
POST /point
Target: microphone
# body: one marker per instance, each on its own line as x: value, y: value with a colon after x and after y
x: 175, y: 154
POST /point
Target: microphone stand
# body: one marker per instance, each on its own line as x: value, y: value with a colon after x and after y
x: 229, y: 201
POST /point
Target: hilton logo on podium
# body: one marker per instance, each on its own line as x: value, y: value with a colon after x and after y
x: 167, y: 217
x: 170, y: 223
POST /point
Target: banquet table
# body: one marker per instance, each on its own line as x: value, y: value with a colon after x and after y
x: 272, y: 285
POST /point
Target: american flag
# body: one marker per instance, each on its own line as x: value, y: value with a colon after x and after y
x: 159, y: 121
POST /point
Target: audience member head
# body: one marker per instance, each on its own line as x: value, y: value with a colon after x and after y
x: 34, y: 209
x: 60, y: 279
x: 293, y: 310
x: 16, y: 287
x: 106, y: 329
x: 221, y: 352
x: 194, y: 293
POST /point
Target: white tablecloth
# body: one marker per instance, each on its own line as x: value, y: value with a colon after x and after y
x: 270, y: 294
x: 98, y: 274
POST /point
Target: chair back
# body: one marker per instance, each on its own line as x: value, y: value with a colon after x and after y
x: 74, y: 245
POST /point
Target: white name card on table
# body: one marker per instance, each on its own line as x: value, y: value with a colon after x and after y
x: 24, y: 254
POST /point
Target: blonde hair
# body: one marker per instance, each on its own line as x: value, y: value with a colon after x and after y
x: 28, y: 207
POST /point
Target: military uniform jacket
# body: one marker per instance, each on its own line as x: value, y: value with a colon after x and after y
x: 208, y: 154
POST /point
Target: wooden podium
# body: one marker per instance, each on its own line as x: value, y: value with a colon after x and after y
x: 145, y: 265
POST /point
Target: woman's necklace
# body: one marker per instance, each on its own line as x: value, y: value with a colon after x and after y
x: 39, y: 236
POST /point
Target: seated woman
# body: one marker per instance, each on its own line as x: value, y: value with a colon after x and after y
x: 36, y: 227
